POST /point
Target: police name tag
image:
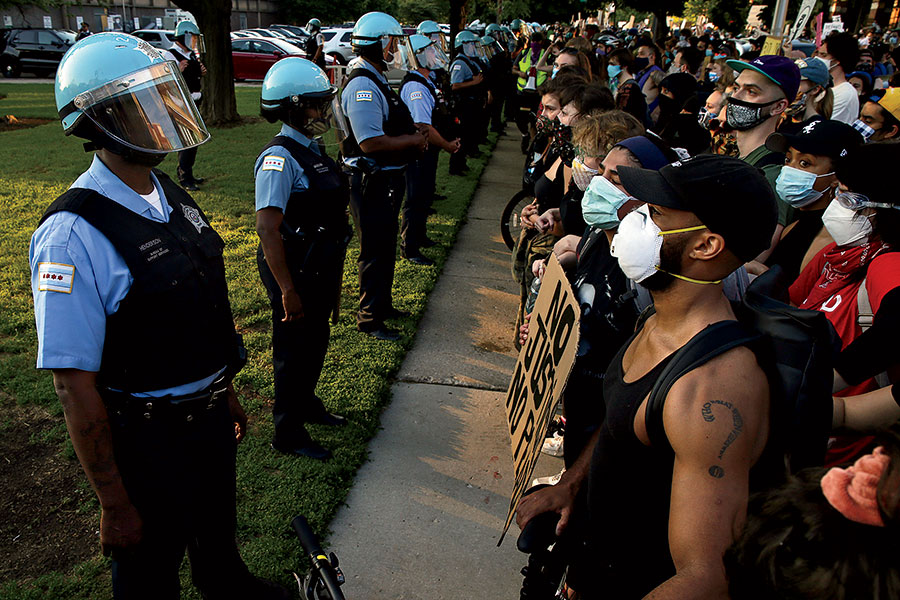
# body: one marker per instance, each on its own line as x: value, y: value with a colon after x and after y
x: 273, y: 163
x: 363, y: 96
x: 55, y: 277
x: 415, y: 96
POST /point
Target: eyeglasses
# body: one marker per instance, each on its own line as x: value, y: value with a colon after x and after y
x: 855, y: 201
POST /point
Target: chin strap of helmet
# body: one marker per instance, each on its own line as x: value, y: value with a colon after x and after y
x: 99, y: 140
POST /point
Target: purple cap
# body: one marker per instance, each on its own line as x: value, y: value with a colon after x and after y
x: 779, y: 69
x: 647, y: 153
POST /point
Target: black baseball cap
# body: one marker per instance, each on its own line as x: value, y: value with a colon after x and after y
x: 729, y: 196
x: 819, y: 137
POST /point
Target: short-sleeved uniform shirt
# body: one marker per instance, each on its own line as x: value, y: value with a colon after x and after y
x: 460, y: 72
x: 419, y: 100
x: 78, y: 279
x: 278, y: 175
x: 366, y: 108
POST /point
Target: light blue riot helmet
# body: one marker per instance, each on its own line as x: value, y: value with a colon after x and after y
x: 510, y: 39
x: 492, y: 30
x: 468, y: 43
x: 433, y: 31
x: 490, y: 46
x: 314, y: 26
x: 378, y: 36
x: 428, y: 54
x: 189, y: 35
x: 121, y: 94
x: 293, y: 84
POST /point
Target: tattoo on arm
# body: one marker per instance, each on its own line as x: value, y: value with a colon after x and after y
x: 737, y: 428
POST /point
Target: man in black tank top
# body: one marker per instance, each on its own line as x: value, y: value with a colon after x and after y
x: 661, y: 515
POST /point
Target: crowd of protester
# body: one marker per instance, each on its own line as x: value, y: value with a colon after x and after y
x: 667, y: 176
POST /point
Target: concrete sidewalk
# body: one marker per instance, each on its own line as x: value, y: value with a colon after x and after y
x: 425, y: 513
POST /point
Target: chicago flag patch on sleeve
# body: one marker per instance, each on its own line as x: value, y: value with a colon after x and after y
x: 363, y: 96
x: 415, y: 96
x: 55, y: 277
x: 273, y: 163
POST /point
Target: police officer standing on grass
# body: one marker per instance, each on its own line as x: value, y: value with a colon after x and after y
x: 315, y: 44
x: 501, y: 67
x: 382, y: 140
x: 187, y: 49
x: 426, y: 105
x: 467, y: 85
x: 132, y: 314
x: 301, y: 219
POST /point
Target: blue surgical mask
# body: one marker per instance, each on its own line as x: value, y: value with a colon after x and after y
x: 893, y: 41
x: 601, y: 203
x: 555, y: 71
x: 713, y: 76
x: 613, y: 71
x: 795, y: 186
x: 708, y: 52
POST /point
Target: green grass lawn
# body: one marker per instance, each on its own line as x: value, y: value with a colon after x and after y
x: 40, y: 163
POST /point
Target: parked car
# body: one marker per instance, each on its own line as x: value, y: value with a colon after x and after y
x: 164, y: 39
x: 252, y: 57
x: 35, y: 51
x: 337, y: 44
x: 297, y: 31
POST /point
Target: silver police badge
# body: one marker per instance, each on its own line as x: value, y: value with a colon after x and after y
x: 193, y: 215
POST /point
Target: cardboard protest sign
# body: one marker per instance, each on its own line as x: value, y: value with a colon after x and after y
x: 540, y: 375
x: 803, y: 16
x: 772, y: 46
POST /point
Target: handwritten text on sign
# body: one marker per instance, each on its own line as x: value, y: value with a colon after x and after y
x: 540, y: 375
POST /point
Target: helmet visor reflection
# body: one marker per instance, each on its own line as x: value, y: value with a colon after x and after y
x: 432, y: 57
x: 196, y: 42
x: 149, y: 110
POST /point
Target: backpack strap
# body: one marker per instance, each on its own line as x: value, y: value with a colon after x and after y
x: 713, y: 341
x: 865, y: 315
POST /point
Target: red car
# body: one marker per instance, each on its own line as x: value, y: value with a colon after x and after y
x: 252, y: 57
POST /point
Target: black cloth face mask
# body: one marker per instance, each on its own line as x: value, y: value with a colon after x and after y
x: 742, y: 115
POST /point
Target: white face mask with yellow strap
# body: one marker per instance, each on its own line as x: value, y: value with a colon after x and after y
x: 638, y: 243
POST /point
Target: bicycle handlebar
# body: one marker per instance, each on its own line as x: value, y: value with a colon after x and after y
x: 308, y: 539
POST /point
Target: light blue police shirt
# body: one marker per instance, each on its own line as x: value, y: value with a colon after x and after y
x: 460, y: 72
x: 278, y: 175
x: 366, y: 108
x: 90, y: 280
x: 419, y: 100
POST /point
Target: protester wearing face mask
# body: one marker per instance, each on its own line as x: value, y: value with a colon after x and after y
x: 607, y: 319
x: 762, y: 90
x: 623, y: 84
x: 678, y: 124
x: 863, y: 84
x: 807, y: 182
x: 643, y: 537
x: 527, y: 82
x: 880, y: 120
x: 687, y: 60
x: 864, y: 221
x: 814, y: 97
x: 840, y: 52
x: 648, y: 73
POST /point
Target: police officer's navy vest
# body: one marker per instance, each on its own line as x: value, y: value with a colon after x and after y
x: 399, y: 122
x: 476, y: 92
x: 192, y: 72
x: 440, y: 114
x: 324, y: 203
x: 174, y: 326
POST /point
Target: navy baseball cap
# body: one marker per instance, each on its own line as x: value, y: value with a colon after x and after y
x: 818, y: 137
x: 778, y: 69
x: 729, y: 196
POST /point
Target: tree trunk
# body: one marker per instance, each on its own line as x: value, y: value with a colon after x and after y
x: 456, y: 17
x: 658, y: 23
x: 214, y: 20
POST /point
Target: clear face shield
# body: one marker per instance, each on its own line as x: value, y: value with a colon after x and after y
x: 331, y: 116
x: 440, y: 41
x: 195, y: 42
x: 487, y: 51
x: 433, y: 58
x: 149, y: 110
x: 398, y: 53
x: 470, y: 49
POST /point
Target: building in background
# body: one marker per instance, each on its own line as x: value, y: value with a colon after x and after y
x: 129, y: 15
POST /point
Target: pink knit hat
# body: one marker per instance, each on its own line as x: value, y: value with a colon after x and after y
x: 853, y: 491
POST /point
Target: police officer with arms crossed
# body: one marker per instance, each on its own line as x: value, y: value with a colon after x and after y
x: 427, y: 107
x: 301, y: 219
x: 187, y: 50
x: 466, y: 80
x: 382, y: 140
x: 133, y: 318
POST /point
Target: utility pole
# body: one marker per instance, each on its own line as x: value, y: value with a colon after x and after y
x: 780, y: 14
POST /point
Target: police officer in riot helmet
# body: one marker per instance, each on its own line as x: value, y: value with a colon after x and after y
x: 421, y: 94
x: 133, y: 319
x: 469, y: 97
x: 315, y: 44
x: 189, y: 45
x: 382, y: 140
x: 301, y: 219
